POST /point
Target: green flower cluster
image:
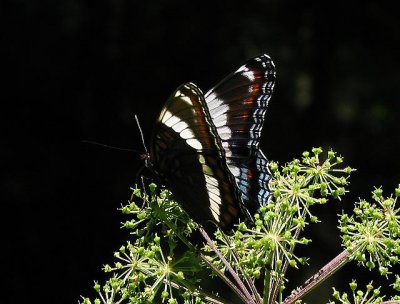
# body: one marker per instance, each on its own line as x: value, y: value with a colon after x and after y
x: 371, y: 234
x: 358, y: 296
x: 265, y: 248
x: 160, y: 265
x: 151, y: 270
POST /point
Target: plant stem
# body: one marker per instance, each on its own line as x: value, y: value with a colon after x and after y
x: 324, y: 273
x: 249, y: 281
x: 209, y: 297
x: 250, y: 300
x: 203, y: 257
x: 267, y: 283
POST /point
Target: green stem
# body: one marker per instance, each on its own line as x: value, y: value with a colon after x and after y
x: 229, y: 268
x: 267, y: 283
x: 204, y: 294
x: 172, y: 226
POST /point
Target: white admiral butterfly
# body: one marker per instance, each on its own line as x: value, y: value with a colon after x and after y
x: 205, y: 148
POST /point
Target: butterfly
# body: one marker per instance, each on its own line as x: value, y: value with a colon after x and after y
x: 205, y: 147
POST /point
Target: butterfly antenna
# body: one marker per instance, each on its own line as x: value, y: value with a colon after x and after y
x: 108, y: 146
x: 141, y: 133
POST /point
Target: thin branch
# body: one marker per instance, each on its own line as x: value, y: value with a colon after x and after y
x: 228, y: 266
x: 323, y: 274
x: 249, y: 282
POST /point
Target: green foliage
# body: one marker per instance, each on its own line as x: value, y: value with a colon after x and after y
x: 159, y: 264
x: 371, y: 234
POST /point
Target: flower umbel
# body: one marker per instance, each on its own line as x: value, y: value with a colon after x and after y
x: 371, y: 234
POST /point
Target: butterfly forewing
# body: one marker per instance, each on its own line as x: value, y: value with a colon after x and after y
x: 187, y: 153
x: 237, y: 106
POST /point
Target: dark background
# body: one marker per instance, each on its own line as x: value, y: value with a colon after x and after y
x: 80, y: 70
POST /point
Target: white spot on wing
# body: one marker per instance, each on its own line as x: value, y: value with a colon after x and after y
x: 186, y: 100
x: 167, y: 115
x: 194, y: 143
x: 219, y: 110
x: 242, y: 68
x: 213, y: 101
x: 220, y: 120
x: 234, y: 170
x: 170, y: 120
x: 182, y: 128
x: 202, y: 159
x: 225, y: 132
x: 249, y: 75
x: 214, y: 195
x: 186, y: 133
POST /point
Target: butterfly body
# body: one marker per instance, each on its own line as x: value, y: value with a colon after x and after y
x: 205, y: 148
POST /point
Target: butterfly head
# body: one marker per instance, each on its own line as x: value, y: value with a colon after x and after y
x: 146, y: 158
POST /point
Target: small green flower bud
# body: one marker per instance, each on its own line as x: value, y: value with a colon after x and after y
x: 306, y: 154
x: 383, y: 270
x: 132, y: 286
x: 293, y: 263
x: 97, y: 287
x: 273, y: 166
x: 125, y: 210
x: 378, y: 192
x: 353, y: 285
x: 141, y: 215
x: 180, y: 276
x: 256, y: 273
x: 316, y: 151
x: 150, y: 254
x: 130, y: 224
x: 396, y: 284
x: 370, y: 264
x: 305, y: 241
x: 397, y: 191
x: 140, y: 250
x: 388, y: 202
x: 336, y: 294
x: 341, y: 191
x: 165, y: 294
x: 136, y: 192
x: 242, y: 226
x: 348, y: 170
x: 152, y: 187
x: 331, y: 154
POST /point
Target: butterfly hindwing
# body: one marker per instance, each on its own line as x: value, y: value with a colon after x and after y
x: 237, y: 106
x: 186, y: 152
x: 205, y: 148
